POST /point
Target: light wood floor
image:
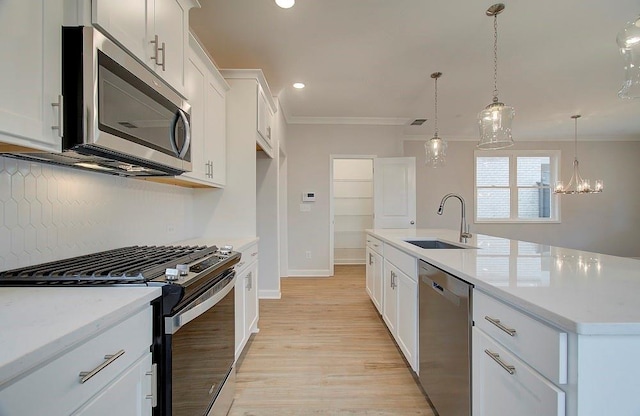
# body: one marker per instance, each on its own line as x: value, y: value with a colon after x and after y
x: 323, y: 350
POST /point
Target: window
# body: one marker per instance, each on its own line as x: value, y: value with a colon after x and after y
x: 515, y: 186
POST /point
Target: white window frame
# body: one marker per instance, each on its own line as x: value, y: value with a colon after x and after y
x: 513, y: 155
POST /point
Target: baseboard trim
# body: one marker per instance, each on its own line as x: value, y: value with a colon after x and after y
x: 269, y: 294
x: 309, y: 273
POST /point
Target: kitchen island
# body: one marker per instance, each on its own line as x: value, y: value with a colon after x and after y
x: 585, y: 303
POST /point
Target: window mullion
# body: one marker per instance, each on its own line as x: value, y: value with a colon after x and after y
x: 513, y: 186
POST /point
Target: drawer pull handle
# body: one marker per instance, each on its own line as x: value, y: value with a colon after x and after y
x: 496, y: 357
x: 86, y: 375
x: 496, y: 322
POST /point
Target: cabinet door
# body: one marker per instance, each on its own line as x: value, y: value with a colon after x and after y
x: 130, y: 394
x: 251, y: 300
x: 170, y: 24
x: 240, y: 296
x: 369, y: 271
x: 195, y: 81
x: 215, y: 143
x: 497, y: 392
x: 30, y: 73
x: 126, y: 22
x: 390, y: 297
x: 407, y: 326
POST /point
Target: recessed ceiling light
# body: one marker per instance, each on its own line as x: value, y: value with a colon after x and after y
x: 298, y: 85
x: 285, y: 4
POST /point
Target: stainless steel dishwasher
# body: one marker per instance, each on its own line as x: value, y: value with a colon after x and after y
x: 445, y: 340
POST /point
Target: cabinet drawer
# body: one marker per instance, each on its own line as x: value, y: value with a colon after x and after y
x: 515, y: 389
x: 374, y: 244
x: 249, y: 255
x: 538, y: 344
x: 405, y: 262
x: 57, y: 385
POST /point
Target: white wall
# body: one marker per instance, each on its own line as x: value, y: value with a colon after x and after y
x: 309, y: 148
x: 49, y: 212
x: 231, y: 212
x: 607, y: 223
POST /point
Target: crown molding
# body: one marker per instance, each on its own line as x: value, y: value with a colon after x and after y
x: 372, y: 121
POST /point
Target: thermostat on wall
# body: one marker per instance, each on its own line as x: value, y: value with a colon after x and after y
x: 308, y: 197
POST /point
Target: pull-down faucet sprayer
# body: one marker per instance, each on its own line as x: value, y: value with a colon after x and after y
x: 464, y: 228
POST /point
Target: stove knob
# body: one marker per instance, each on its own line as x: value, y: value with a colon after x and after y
x: 183, y: 269
x: 172, y: 274
x: 225, y: 250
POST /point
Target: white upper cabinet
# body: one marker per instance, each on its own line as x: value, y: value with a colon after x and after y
x: 262, y: 109
x: 265, y: 121
x: 30, y: 75
x: 155, y: 31
x: 206, y: 91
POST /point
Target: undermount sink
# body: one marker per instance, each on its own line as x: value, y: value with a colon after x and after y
x: 431, y: 244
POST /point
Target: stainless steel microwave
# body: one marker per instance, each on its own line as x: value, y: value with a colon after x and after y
x: 118, y: 116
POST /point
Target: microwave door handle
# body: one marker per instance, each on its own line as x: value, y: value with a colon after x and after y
x: 187, y: 134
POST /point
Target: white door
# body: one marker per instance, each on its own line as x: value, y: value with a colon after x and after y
x: 394, y: 192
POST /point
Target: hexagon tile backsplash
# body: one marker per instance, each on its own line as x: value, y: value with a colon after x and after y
x: 49, y: 212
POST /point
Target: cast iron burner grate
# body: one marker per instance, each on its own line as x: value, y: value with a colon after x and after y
x: 135, y: 264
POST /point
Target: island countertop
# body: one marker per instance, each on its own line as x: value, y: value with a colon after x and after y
x: 578, y: 291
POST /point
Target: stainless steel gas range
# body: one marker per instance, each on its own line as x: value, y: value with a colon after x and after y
x: 194, y: 320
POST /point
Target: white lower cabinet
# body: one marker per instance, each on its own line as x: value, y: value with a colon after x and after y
x: 400, y: 310
x: 503, y: 385
x: 246, y: 297
x: 390, y: 303
x: 407, y: 324
x: 518, y: 361
x: 374, y: 278
x: 109, y: 374
x: 126, y: 395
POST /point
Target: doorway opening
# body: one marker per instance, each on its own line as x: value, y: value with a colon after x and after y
x: 351, y: 208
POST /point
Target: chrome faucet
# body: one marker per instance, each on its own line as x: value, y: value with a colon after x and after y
x: 464, y: 228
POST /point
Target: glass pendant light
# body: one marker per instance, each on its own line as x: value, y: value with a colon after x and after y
x: 436, y: 147
x: 629, y: 42
x: 495, y: 120
x: 576, y: 184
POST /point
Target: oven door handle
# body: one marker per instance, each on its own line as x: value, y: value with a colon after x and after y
x: 206, y: 301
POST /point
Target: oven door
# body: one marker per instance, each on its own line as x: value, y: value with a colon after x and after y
x: 201, y: 340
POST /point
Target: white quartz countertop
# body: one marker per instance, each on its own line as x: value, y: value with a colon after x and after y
x: 582, y: 292
x: 39, y: 323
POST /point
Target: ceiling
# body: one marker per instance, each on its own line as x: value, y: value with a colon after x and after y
x: 369, y: 61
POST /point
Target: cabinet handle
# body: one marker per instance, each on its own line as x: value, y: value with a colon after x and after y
x: 249, y: 278
x: 393, y: 280
x: 86, y: 375
x: 269, y: 132
x: 496, y: 322
x: 60, y: 105
x: 496, y: 357
x: 370, y: 259
x: 239, y: 265
x: 255, y: 253
x: 154, y: 385
x: 157, y: 49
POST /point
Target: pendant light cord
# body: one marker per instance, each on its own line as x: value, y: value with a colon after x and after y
x: 495, y: 58
x: 575, y: 139
x: 436, y: 110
